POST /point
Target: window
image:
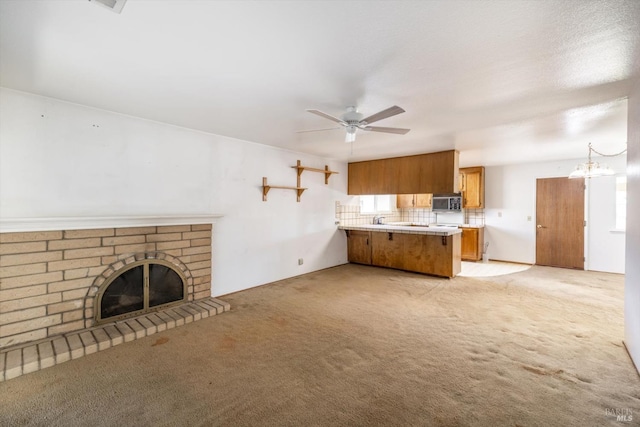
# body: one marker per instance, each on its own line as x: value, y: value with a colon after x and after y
x: 376, y: 204
x: 621, y: 203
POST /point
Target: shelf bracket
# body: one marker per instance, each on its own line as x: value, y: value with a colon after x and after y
x: 327, y: 173
x: 266, y: 187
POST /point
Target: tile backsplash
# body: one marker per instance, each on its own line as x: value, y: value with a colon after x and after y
x: 351, y: 215
x: 474, y: 216
x: 421, y: 215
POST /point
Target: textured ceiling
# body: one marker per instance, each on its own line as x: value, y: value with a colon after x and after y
x: 501, y: 81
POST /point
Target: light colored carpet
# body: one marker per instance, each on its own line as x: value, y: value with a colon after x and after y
x: 356, y: 345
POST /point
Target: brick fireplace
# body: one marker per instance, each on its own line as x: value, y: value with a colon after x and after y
x: 49, y: 277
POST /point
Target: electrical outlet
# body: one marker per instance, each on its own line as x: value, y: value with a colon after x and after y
x: 529, y: 218
x: 300, y: 261
x: 499, y: 214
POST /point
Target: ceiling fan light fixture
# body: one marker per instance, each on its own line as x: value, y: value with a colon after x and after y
x: 352, y: 121
x: 351, y: 134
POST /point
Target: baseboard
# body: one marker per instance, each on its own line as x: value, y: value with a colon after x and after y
x: 509, y: 262
x: 631, y: 358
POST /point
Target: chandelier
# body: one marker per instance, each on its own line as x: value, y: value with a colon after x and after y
x: 592, y: 169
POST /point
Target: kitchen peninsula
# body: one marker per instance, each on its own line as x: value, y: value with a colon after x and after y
x: 434, y: 250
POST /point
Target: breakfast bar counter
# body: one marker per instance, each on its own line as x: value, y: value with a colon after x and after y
x: 434, y: 250
x: 406, y: 228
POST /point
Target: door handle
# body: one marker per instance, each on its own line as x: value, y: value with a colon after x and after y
x: 540, y: 226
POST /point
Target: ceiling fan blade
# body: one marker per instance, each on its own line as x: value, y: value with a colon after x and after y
x: 391, y: 111
x: 316, y: 130
x: 327, y: 116
x: 400, y: 131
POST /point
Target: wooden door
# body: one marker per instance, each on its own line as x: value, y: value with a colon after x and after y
x: 560, y: 222
x: 359, y: 247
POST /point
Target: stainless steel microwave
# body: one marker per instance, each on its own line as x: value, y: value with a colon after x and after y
x: 446, y: 203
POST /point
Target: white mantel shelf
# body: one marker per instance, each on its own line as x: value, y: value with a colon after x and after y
x: 13, y: 225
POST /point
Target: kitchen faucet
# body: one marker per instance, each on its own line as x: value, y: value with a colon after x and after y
x: 378, y: 219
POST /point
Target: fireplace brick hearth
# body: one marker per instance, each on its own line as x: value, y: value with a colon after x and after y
x: 48, y: 279
x: 24, y: 359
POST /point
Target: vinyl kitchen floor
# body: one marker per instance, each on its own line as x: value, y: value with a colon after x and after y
x: 491, y: 268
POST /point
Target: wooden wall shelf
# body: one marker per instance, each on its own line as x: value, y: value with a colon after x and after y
x: 299, y: 190
x: 327, y: 173
x: 266, y: 188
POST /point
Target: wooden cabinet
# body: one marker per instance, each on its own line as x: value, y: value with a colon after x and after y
x: 428, y: 254
x: 387, y: 249
x: 472, y: 187
x: 421, y: 174
x: 359, y: 246
x: 413, y: 201
x: 437, y: 255
x: 371, y: 177
x: 472, y: 244
x: 422, y: 253
x: 405, y: 200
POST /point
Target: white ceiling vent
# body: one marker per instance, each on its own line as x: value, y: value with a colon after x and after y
x: 114, y: 5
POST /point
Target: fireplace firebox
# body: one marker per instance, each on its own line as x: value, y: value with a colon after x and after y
x: 139, y: 288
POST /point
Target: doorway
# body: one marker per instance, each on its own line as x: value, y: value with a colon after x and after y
x: 560, y: 222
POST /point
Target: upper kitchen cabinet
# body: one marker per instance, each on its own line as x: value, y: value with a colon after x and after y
x: 421, y: 174
x: 472, y: 187
x: 371, y: 177
x: 413, y: 201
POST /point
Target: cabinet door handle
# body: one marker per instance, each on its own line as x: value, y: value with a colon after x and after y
x: 390, y: 236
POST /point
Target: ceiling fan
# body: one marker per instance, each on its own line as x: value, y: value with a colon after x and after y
x: 352, y: 121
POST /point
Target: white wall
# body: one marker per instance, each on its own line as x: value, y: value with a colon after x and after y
x: 606, y: 246
x: 62, y: 159
x: 510, y: 198
x: 632, y: 276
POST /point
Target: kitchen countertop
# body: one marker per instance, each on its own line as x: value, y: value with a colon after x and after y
x: 425, y: 224
x: 405, y: 228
